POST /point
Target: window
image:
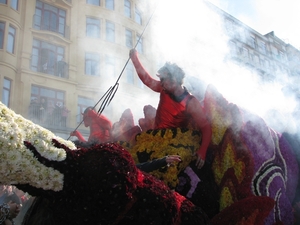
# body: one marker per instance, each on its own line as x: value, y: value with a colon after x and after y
x: 45, y: 58
x: 282, y: 56
x: 92, y: 27
x: 138, y: 17
x: 110, y: 31
x: 11, y: 39
x: 244, y: 53
x: 109, y: 66
x: 129, y: 38
x: 93, y: 2
x: 49, y: 18
x: 267, y: 64
x: 14, y: 4
x: 256, y: 59
x: 232, y: 48
x: 262, y: 47
x: 275, y: 51
x: 129, y: 74
x: 92, y: 64
x: 127, y: 8
x: 229, y: 26
x: 82, y: 104
x: 6, y: 91
x: 56, y: 96
x: 252, y: 42
x: 139, y: 46
x: 52, y: 101
x: 2, y: 27
x: 110, y: 4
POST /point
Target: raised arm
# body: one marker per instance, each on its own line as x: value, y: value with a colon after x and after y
x: 143, y: 74
x: 198, y: 115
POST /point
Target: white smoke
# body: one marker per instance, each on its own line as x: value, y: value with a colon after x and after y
x: 191, y: 35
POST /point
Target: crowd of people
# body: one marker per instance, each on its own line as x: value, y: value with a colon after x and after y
x: 11, y: 202
x: 46, y: 112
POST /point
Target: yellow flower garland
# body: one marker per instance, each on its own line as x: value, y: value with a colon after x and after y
x: 159, y: 143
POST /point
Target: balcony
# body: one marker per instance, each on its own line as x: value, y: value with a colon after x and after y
x: 47, y: 117
x: 50, y: 66
x: 58, y: 28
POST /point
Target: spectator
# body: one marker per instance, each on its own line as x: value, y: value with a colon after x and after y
x: 61, y: 68
x: 10, y: 203
x: 42, y: 110
x: 56, y: 115
x: 34, y: 110
x: 64, y: 115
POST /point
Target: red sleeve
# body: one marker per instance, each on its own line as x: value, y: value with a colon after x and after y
x: 144, y: 75
x: 198, y: 114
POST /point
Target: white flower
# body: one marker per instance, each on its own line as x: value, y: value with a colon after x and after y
x: 17, y: 163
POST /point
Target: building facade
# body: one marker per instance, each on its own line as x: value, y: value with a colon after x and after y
x: 58, y: 57
x: 271, y: 58
x: 266, y: 54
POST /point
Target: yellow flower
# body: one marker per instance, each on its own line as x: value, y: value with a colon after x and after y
x: 159, y: 143
x: 226, y: 198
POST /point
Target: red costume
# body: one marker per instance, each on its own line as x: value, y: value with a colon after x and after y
x: 124, y: 129
x: 100, y: 127
x: 171, y: 112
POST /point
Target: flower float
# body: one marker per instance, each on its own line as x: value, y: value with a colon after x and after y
x: 253, y: 166
x: 99, y: 184
x: 248, y: 166
x: 250, y: 176
x: 17, y: 163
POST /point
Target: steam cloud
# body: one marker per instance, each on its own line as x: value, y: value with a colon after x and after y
x: 193, y: 36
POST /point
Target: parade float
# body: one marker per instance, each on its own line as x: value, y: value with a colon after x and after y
x: 250, y: 176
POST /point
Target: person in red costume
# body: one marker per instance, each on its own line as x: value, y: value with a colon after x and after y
x: 100, y: 127
x: 125, y: 129
x: 147, y: 123
x: 177, y: 107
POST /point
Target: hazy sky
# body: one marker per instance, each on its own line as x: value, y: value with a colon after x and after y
x: 280, y: 16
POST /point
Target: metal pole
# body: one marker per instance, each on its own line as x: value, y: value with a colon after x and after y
x: 110, y: 93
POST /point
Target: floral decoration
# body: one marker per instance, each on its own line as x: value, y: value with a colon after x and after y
x: 248, y: 211
x: 17, y: 163
x: 233, y: 169
x: 155, y: 144
x: 221, y: 114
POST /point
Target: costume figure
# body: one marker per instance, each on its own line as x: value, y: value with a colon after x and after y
x: 148, y: 122
x: 176, y: 107
x: 100, y: 127
x: 125, y: 129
